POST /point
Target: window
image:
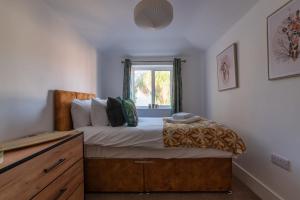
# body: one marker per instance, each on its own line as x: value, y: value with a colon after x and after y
x: 152, y: 84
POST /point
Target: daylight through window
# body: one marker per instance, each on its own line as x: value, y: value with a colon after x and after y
x: 151, y: 84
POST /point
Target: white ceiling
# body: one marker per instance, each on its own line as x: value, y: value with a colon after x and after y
x: 109, y: 24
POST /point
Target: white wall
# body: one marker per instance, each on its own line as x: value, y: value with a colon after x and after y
x: 193, y: 77
x: 265, y: 113
x: 38, y: 53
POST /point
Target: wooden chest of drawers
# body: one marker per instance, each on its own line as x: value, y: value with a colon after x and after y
x: 50, y: 171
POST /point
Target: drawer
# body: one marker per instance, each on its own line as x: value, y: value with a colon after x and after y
x: 78, y: 194
x: 188, y: 175
x: 113, y: 175
x: 34, y: 175
x: 65, y: 185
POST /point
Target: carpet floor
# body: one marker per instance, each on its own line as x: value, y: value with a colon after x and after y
x: 239, y: 192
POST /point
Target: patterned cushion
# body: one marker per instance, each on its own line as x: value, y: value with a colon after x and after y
x: 115, y: 112
x: 129, y: 111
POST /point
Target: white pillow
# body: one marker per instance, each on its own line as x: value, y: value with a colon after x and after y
x: 81, y: 113
x: 98, y: 112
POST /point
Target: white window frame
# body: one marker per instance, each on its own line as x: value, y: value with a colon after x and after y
x: 153, y: 68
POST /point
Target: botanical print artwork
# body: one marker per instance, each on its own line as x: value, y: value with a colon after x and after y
x: 224, y: 69
x: 287, y: 38
x: 284, y: 41
x: 227, y: 68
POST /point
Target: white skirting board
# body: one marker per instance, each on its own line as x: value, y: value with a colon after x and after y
x: 258, y: 187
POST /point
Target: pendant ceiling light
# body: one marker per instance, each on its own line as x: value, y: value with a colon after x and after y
x: 155, y: 14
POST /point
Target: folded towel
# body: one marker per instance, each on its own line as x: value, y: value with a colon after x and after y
x: 1, y: 157
x: 183, y: 121
x: 182, y: 115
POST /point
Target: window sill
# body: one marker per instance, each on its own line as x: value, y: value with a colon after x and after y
x: 159, y: 112
x: 153, y: 108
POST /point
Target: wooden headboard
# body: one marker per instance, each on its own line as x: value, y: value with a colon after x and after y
x: 62, y: 108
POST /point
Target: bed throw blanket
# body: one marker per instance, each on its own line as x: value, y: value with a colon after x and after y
x: 202, y: 134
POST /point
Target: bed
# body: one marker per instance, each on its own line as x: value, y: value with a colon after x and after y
x: 126, y: 159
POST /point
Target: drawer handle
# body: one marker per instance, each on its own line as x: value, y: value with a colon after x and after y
x: 59, y: 162
x: 61, y: 192
x: 144, y: 162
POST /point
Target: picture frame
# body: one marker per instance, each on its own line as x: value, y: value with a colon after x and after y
x: 283, y: 36
x: 227, y: 68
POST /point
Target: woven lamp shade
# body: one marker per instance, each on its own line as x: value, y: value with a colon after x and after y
x: 155, y: 14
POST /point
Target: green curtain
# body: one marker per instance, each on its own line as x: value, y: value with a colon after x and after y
x: 127, y: 79
x: 177, y: 87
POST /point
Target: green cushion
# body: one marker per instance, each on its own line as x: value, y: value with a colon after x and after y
x: 129, y: 112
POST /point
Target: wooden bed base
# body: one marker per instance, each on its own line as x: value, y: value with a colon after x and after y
x: 158, y: 175
x: 145, y: 175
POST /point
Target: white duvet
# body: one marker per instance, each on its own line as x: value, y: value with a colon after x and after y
x: 147, y: 134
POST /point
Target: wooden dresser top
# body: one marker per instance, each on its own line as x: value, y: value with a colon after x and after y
x: 16, y: 157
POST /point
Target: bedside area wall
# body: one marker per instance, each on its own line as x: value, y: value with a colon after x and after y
x: 266, y: 113
x: 38, y: 53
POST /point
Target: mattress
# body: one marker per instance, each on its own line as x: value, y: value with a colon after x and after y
x: 143, y: 141
x: 96, y: 151
x: 147, y: 134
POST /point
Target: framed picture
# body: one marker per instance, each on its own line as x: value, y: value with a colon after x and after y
x: 284, y: 41
x: 227, y: 68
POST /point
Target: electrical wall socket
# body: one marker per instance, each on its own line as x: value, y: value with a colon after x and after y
x: 280, y: 161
